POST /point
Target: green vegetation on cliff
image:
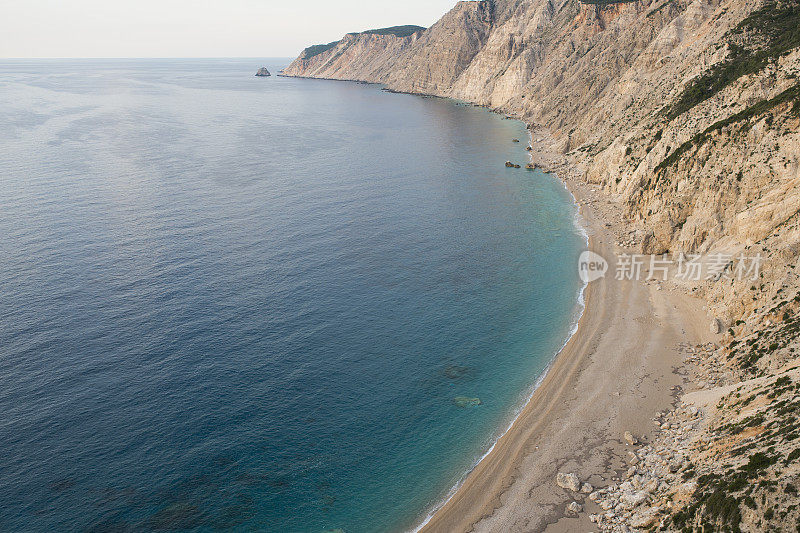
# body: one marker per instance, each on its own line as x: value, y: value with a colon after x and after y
x: 761, y: 38
x: 397, y: 31
x: 791, y: 94
x: 317, y: 49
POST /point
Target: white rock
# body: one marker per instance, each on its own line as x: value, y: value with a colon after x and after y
x: 575, y: 507
x: 645, y: 517
x: 568, y: 481
x: 631, y: 500
x: 629, y: 438
x: 586, y: 488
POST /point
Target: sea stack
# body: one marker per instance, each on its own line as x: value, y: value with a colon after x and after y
x: 263, y: 72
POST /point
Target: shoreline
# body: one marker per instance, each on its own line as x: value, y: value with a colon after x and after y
x: 581, y: 309
x: 512, y: 487
x: 614, y: 373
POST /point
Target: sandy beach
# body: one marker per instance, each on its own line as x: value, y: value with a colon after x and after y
x: 618, y: 370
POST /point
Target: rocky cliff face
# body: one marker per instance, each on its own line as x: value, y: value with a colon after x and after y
x: 687, y: 114
x: 358, y: 56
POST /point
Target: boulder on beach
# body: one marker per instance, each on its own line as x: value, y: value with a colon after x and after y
x: 575, y: 507
x: 263, y: 72
x: 568, y: 481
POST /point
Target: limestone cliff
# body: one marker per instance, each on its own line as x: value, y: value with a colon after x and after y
x: 686, y: 113
x: 365, y: 56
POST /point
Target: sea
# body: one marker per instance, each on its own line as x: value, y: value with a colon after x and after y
x: 232, y: 303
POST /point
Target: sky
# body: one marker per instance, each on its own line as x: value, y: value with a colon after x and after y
x: 194, y: 28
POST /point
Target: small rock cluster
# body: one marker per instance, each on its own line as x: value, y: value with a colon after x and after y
x: 572, y: 482
x: 654, y: 479
x: 708, y: 371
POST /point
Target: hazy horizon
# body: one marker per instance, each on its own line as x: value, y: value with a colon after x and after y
x: 93, y: 29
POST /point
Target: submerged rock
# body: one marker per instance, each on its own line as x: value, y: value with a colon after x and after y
x: 177, y: 516
x: 263, y: 72
x: 466, y: 401
x: 456, y: 372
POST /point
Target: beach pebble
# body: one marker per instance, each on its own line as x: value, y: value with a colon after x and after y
x: 606, y: 505
x: 568, y: 481
x: 575, y: 507
x: 586, y: 488
x: 629, y: 438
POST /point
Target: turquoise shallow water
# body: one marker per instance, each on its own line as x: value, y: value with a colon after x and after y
x: 232, y: 303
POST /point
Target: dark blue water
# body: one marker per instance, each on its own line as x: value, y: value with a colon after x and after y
x: 260, y: 304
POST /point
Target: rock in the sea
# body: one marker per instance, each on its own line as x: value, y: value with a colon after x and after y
x: 457, y: 372
x: 568, y: 481
x: 515, y: 140
x: 466, y: 401
x: 263, y: 72
x: 179, y: 515
x: 509, y: 164
x: 575, y: 507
